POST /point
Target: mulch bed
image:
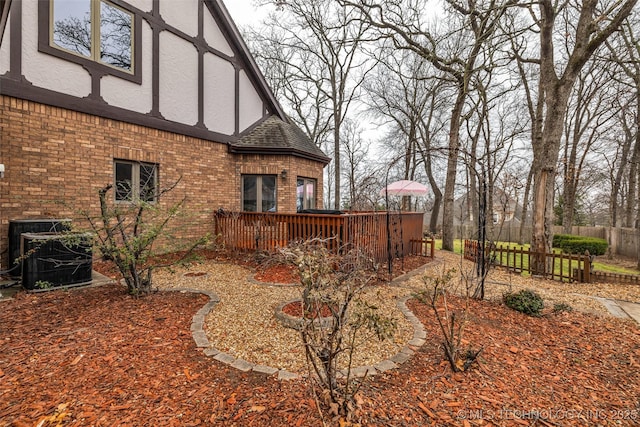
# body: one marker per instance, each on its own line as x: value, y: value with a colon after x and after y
x: 287, y: 274
x: 99, y: 357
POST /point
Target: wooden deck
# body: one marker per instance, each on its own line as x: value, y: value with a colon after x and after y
x: 250, y: 231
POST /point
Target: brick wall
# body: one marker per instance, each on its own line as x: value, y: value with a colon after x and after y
x: 56, y: 161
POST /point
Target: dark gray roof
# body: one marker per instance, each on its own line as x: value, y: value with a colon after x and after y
x: 275, y: 136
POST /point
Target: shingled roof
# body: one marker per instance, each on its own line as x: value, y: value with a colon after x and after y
x: 275, y: 136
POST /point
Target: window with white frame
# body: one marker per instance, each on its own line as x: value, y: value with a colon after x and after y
x: 135, y: 181
x: 259, y: 193
x: 93, y: 29
x: 305, y: 194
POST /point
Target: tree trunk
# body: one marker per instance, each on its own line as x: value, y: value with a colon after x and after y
x: 452, y: 164
x: 634, y: 168
x: 545, y: 159
x: 525, y: 206
x: 336, y: 157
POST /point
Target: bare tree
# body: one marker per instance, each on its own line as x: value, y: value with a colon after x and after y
x: 589, y: 119
x: 317, y: 43
x: 360, y: 176
x: 588, y: 25
x: 404, y: 97
x: 456, y: 51
x: 624, y: 51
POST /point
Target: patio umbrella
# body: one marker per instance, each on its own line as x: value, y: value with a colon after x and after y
x: 405, y: 188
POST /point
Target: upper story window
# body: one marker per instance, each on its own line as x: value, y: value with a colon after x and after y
x: 94, y: 29
x: 101, y: 35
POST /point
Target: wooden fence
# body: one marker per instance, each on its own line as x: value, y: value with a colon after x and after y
x: 250, y: 231
x: 423, y: 247
x: 562, y: 267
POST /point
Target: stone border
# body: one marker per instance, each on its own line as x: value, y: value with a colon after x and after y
x: 296, y: 323
x: 201, y: 340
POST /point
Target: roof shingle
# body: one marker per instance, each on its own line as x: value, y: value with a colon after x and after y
x: 275, y: 136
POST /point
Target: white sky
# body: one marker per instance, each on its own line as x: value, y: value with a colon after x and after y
x: 243, y: 12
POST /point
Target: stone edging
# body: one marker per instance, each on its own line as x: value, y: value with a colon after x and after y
x: 201, y: 340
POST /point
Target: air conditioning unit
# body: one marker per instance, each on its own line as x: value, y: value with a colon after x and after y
x: 56, y: 259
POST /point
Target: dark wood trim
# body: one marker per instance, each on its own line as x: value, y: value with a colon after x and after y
x: 95, y: 68
x: 5, y: 7
x: 237, y: 100
x: 155, y: 84
x: 18, y: 89
x: 233, y: 37
x: 200, y: 44
x: 15, y: 55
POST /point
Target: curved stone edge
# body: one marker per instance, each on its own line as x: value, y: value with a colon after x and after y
x: 296, y: 323
x: 201, y: 340
x: 420, y: 270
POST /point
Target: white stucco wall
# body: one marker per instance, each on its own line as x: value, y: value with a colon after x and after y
x: 178, y: 79
x: 4, y: 49
x: 219, y: 95
x: 143, y: 5
x: 129, y: 95
x: 250, y: 103
x: 214, y: 37
x: 181, y: 14
x: 47, y: 71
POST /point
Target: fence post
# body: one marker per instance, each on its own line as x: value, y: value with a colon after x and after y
x: 433, y: 247
x: 587, y: 267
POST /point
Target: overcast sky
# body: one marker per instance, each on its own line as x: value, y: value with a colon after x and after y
x: 243, y: 12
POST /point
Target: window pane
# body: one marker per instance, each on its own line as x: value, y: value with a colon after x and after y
x: 300, y: 194
x: 72, y: 25
x: 249, y: 193
x: 115, y: 36
x: 124, y: 178
x: 310, y: 194
x: 148, y: 182
x: 268, y: 194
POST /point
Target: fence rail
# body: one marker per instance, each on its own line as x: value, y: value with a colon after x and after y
x: 562, y: 267
x: 368, y: 231
x: 423, y: 247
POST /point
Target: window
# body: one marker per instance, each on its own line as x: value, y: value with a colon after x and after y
x: 259, y: 193
x: 95, y: 30
x: 136, y: 181
x: 305, y: 194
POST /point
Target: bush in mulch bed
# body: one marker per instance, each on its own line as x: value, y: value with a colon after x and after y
x: 525, y: 301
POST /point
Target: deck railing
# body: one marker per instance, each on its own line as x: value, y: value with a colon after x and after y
x: 249, y: 231
x: 562, y: 267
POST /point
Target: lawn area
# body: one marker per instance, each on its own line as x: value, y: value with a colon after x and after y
x: 599, y: 265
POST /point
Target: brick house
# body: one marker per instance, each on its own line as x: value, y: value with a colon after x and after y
x: 141, y: 93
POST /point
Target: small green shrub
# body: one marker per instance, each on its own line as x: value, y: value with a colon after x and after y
x: 525, y: 301
x: 561, y: 307
x: 579, y: 244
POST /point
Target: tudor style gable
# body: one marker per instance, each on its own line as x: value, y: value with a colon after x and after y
x: 173, y: 65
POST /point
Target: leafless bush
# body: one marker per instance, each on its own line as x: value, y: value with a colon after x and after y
x: 451, y: 322
x: 335, y: 284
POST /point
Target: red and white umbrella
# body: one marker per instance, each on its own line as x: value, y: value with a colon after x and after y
x: 405, y: 188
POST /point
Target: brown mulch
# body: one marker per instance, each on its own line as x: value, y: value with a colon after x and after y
x: 287, y: 274
x: 278, y: 273
x: 99, y: 357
